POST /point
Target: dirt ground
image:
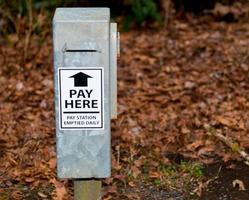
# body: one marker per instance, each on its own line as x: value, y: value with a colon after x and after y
x: 221, y: 186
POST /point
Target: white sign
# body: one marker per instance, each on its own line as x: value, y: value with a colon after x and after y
x: 81, y: 98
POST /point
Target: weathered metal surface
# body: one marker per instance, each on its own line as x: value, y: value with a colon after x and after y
x: 84, y: 153
x: 113, y: 71
x: 87, y: 190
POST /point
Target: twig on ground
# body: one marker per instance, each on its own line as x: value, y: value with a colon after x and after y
x: 30, y: 28
x: 228, y: 142
x: 166, y: 6
x: 118, y: 156
x: 203, y: 185
x: 167, y: 10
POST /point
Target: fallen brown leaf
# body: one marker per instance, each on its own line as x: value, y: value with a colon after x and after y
x: 29, y: 180
x: 60, y: 190
x: 42, y: 195
x: 240, y: 184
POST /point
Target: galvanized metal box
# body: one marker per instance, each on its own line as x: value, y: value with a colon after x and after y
x: 85, y: 49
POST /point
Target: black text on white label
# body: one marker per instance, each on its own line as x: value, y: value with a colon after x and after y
x: 81, y: 98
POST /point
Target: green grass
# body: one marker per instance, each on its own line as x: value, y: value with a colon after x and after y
x: 194, y: 169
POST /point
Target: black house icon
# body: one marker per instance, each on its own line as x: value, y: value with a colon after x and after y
x: 80, y: 79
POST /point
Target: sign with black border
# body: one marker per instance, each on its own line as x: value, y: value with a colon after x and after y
x: 81, y: 98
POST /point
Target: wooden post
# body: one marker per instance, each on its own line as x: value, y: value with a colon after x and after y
x: 87, y: 189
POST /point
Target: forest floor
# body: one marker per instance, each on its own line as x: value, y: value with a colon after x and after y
x: 178, y: 90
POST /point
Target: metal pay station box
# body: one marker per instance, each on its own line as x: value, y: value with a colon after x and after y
x: 85, y: 53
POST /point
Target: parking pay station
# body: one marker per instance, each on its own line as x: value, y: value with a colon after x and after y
x: 85, y: 50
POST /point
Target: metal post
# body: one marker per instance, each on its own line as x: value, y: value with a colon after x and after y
x: 85, y: 71
x: 87, y: 189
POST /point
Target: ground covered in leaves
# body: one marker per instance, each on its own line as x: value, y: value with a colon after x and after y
x: 177, y: 88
